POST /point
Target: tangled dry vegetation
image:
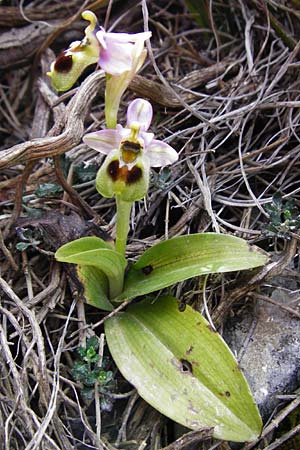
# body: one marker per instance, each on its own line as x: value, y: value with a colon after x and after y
x: 225, y: 88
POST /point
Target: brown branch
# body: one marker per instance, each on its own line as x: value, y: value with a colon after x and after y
x: 275, y: 422
x: 73, y: 194
x: 161, y: 95
x: 265, y: 298
x: 56, y: 145
x: 11, y: 16
x: 193, y: 437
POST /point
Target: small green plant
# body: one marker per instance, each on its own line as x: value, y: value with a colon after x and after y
x: 91, y: 375
x: 48, y: 190
x: 176, y: 361
x: 85, y: 172
x: 27, y: 238
x: 162, y: 179
x: 284, y: 217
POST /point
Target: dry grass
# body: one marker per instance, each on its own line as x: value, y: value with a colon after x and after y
x: 226, y: 95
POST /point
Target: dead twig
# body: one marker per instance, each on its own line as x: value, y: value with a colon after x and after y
x: 265, y: 298
x: 56, y: 145
x: 191, y: 438
x: 275, y: 422
x: 253, y: 281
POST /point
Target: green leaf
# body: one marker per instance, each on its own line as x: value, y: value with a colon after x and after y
x: 88, y: 393
x: 92, y: 377
x: 95, y: 285
x: 86, y: 172
x: 82, y: 245
x: 199, y: 9
x: 183, y: 368
x: 80, y: 371
x: 185, y: 257
x: 48, y: 190
x: 92, y: 343
x: 93, y: 251
x: 22, y: 246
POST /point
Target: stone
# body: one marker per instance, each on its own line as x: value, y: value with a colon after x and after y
x: 266, y: 341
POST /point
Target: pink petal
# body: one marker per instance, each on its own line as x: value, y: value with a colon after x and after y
x: 101, y: 37
x: 161, y: 154
x: 103, y: 141
x: 116, y: 58
x: 147, y: 138
x: 140, y: 111
x: 126, y: 37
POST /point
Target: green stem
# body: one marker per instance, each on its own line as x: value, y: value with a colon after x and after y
x: 116, y: 85
x: 111, y: 117
x: 123, y: 217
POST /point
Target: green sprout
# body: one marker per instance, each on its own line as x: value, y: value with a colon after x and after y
x: 27, y: 239
x: 284, y: 217
x: 48, y: 190
x: 91, y: 375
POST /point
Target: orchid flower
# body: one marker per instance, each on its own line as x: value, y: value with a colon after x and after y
x: 70, y: 64
x: 116, y: 84
x: 131, y: 151
x: 120, y: 55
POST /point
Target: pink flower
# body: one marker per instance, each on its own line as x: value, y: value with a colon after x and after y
x: 117, y: 50
x: 131, y: 151
x: 139, y: 117
x: 116, y: 54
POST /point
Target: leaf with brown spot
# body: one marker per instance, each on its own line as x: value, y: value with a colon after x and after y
x: 149, y: 343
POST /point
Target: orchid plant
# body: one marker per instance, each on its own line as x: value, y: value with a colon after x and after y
x: 175, y: 359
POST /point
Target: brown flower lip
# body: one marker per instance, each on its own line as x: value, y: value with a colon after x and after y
x: 128, y: 176
x: 63, y: 63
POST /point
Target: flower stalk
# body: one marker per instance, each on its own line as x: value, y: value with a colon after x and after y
x: 123, y: 219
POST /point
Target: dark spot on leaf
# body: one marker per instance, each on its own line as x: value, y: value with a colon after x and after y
x: 113, y: 170
x: 63, y: 63
x: 186, y: 366
x: 224, y: 394
x: 147, y: 270
x: 134, y: 175
x: 182, y: 306
x: 189, y: 350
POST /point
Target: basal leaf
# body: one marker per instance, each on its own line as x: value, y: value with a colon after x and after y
x: 95, y: 285
x: 82, y: 245
x: 183, y: 368
x: 92, y: 251
x: 184, y: 257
